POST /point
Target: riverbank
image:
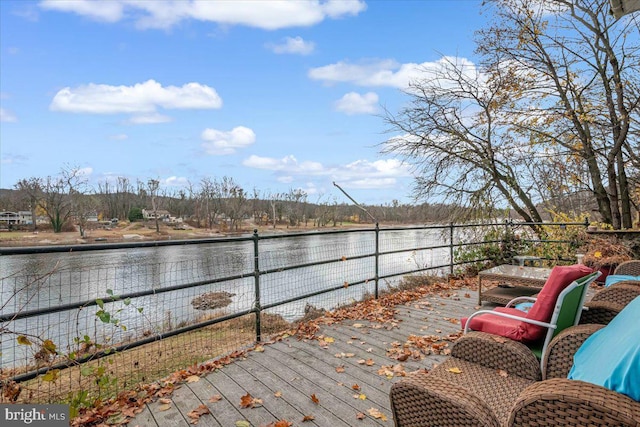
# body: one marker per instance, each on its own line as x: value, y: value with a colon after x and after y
x: 135, y: 232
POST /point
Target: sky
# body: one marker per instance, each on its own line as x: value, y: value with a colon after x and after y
x: 278, y: 95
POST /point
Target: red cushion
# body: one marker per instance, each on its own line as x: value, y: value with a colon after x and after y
x: 542, y: 310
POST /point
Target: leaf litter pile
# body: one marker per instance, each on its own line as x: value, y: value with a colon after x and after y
x: 382, y: 311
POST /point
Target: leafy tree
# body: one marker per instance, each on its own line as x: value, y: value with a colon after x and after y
x: 135, y: 214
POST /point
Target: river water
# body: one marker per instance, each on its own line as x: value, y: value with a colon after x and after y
x: 39, y: 281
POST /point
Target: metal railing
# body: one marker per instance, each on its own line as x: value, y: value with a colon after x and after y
x: 134, y: 303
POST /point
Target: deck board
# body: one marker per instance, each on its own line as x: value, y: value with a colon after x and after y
x: 299, y: 368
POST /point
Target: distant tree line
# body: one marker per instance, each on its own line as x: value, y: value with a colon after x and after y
x: 67, y: 200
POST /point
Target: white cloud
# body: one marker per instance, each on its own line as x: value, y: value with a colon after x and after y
x: 147, y: 119
x: 106, y: 11
x: 219, y: 142
x: 7, y: 116
x: 387, y: 73
x: 141, y: 99
x: 176, y: 181
x: 293, y: 45
x: 354, y: 103
x: 85, y: 172
x: 269, y: 15
x: 288, y: 164
x: 119, y: 137
x: 357, y: 174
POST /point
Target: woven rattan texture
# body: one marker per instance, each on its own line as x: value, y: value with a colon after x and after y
x: 630, y: 268
x: 600, y: 312
x: 457, y: 387
x: 562, y: 402
x: 619, y: 293
x: 496, y: 352
x: 558, y: 359
x: 422, y: 400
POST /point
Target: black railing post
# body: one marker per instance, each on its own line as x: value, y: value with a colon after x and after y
x: 256, y: 273
x: 377, y: 258
x: 451, y: 248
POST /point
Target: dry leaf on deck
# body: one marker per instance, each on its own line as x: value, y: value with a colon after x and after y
x: 215, y: 398
x: 314, y: 399
x: 193, y: 379
x: 455, y: 370
x: 248, y: 401
x: 308, y: 418
x: 197, y: 413
x: 375, y: 413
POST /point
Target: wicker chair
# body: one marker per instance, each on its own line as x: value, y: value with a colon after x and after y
x: 630, y: 268
x: 489, y: 381
x: 608, y: 302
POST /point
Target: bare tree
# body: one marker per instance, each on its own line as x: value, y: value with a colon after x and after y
x: 577, y: 88
x: 58, y: 195
x: 31, y: 192
x: 453, y: 133
x: 153, y: 185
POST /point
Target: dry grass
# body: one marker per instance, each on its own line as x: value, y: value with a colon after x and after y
x: 105, y: 377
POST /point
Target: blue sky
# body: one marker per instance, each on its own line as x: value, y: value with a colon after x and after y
x: 278, y: 95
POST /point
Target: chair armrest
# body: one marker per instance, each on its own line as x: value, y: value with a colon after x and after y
x: 620, y: 293
x: 496, y: 352
x: 558, y: 359
x: 600, y: 312
x: 560, y: 401
x: 420, y: 399
x: 518, y: 299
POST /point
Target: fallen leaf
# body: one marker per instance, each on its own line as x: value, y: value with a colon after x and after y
x: 454, y: 370
x: 499, y: 339
x: 362, y: 396
x: 259, y: 349
x: 314, y: 399
x: 355, y: 387
x: 215, y: 398
x: 193, y: 379
x: 164, y: 400
x: 164, y: 407
x: 281, y: 423
x: 243, y: 423
x: 375, y: 413
x: 502, y: 373
x: 340, y: 369
x: 308, y: 418
x: 360, y: 416
x: 197, y: 413
x: 278, y: 394
x: 248, y: 401
x: 358, y: 325
x: 349, y: 355
x: 369, y: 362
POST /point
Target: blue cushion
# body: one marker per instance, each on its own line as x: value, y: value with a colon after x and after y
x: 615, y: 278
x: 524, y: 306
x: 611, y: 356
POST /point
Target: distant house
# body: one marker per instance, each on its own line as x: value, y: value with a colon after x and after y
x: 163, y: 215
x: 20, y: 217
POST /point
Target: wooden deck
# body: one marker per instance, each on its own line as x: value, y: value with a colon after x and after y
x: 288, y: 373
